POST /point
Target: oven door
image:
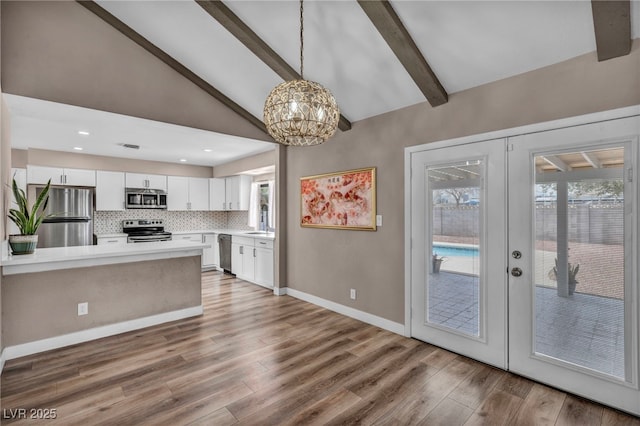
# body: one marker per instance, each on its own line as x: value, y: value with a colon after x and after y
x: 148, y: 238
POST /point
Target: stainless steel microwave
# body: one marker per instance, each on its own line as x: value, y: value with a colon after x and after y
x: 143, y: 198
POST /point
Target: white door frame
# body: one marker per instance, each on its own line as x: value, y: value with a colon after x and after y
x: 509, y: 133
x: 524, y: 360
x: 490, y: 345
x: 506, y: 133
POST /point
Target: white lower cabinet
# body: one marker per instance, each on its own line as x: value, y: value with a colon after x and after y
x: 252, y: 260
x: 210, y: 256
x: 196, y: 238
x: 112, y: 241
x: 263, y: 265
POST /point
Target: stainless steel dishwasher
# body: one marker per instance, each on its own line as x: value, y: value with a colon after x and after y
x: 224, y: 241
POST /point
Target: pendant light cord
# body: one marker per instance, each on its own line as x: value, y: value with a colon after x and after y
x: 301, y: 42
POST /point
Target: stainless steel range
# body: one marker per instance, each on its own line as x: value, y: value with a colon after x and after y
x: 145, y: 230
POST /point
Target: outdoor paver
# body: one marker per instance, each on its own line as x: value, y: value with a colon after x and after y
x: 582, y: 329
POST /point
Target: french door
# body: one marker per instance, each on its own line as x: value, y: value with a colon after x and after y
x: 524, y: 255
x: 458, y: 267
x: 573, y: 255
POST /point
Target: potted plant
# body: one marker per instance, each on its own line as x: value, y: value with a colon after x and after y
x: 437, y: 262
x: 27, y: 220
x: 572, y: 272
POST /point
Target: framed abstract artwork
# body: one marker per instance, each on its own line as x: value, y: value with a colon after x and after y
x: 341, y: 200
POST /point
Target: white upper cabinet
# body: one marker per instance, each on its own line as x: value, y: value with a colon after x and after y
x: 177, y: 193
x: 237, y: 189
x: 109, y: 190
x: 187, y: 193
x: 143, y: 180
x: 61, y: 176
x: 79, y: 177
x: 217, y: 194
x: 199, y: 193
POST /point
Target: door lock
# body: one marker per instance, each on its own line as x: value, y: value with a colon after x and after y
x: 516, y: 254
x: 516, y: 272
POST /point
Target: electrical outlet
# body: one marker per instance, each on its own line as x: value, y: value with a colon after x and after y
x: 83, y: 308
x: 352, y: 294
x: 378, y: 220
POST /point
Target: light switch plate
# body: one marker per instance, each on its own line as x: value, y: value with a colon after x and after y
x: 378, y: 220
x: 83, y: 308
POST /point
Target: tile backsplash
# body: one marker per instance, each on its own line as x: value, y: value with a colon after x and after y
x: 110, y: 222
x: 238, y: 220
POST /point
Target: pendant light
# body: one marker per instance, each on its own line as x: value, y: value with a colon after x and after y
x: 301, y: 112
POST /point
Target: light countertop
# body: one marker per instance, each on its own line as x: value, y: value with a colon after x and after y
x: 47, y: 259
x: 253, y: 234
x: 262, y: 235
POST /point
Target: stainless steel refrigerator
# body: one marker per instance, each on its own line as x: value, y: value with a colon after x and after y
x: 71, y: 223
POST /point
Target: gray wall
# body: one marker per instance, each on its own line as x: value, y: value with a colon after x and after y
x: 326, y: 263
x: 44, y: 304
x: 43, y: 157
x: 61, y: 52
x: 5, y: 172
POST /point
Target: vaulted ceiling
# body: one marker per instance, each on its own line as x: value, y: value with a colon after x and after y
x: 364, y: 51
x: 375, y: 56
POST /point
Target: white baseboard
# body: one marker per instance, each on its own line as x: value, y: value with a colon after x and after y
x: 24, y: 349
x: 279, y: 291
x: 384, y: 323
x: 1, y: 361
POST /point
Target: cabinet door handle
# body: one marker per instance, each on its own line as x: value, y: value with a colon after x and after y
x: 241, y: 249
x: 61, y: 178
x: 262, y: 242
x: 254, y: 252
x: 112, y: 241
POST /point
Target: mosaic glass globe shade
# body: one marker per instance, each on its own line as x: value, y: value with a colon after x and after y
x: 301, y: 113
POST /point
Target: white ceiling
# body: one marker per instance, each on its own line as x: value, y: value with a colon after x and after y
x: 49, y: 125
x: 467, y: 43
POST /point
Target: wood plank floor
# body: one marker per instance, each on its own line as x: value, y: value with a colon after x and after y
x: 257, y: 359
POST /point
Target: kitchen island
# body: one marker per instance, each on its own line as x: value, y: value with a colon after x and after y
x: 124, y: 288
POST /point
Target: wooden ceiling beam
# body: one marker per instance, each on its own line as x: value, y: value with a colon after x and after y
x: 612, y: 25
x: 170, y: 61
x: 232, y: 23
x: 389, y: 25
x: 592, y: 160
x: 557, y: 163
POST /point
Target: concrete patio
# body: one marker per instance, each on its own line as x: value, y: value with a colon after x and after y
x: 583, y: 329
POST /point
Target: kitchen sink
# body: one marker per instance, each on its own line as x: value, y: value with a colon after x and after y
x: 259, y: 233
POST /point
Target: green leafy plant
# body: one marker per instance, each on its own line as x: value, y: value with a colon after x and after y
x: 28, y: 220
x: 572, y: 272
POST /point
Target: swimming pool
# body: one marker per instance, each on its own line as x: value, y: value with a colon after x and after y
x: 448, y: 251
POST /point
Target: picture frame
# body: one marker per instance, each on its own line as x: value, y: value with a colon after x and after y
x: 339, y: 200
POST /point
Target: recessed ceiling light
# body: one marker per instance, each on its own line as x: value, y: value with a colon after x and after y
x: 83, y: 133
x: 207, y: 150
x: 183, y: 160
x: 78, y: 148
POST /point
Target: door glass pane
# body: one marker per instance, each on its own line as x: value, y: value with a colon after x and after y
x: 579, y: 258
x: 453, y: 282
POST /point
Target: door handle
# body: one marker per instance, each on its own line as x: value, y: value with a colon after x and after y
x: 516, y: 272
